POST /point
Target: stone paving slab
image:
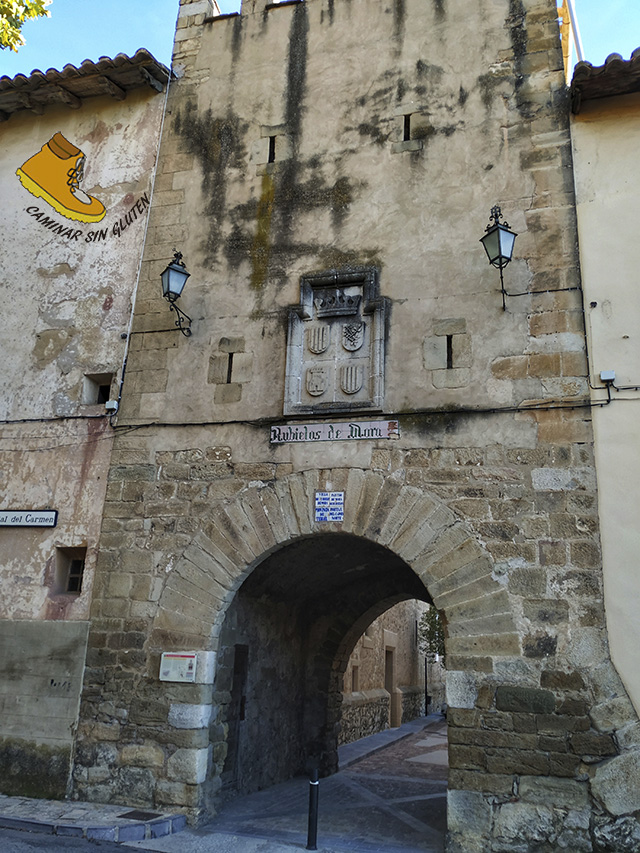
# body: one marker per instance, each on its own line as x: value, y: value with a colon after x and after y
x: 94, y: 821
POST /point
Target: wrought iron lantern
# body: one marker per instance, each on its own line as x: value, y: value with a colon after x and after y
x: 174, y: 277
x: 498, y: 244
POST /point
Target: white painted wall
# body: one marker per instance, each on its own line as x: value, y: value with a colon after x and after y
x: 605, y: 146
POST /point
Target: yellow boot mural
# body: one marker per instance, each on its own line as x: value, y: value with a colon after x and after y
x: 54, y: 174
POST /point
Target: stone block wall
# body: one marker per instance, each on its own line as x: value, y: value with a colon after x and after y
x: 363, y: 713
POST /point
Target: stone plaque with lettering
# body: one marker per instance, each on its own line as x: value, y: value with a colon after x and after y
x: 335, y: 350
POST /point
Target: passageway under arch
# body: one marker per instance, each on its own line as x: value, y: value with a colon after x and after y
x: 284, y: 645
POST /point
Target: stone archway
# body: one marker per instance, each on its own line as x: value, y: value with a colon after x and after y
x: 443, y: 562
x: 419, y: 529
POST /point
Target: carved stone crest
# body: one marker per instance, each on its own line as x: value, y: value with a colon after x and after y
x: 317, y: 381
x: 351, y: 378
x: 318, y: 338
x: 336, y: 342
x: 333, y: 302
x: 352, y: 336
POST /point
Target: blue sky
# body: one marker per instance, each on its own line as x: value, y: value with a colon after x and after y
x: 88, y: 29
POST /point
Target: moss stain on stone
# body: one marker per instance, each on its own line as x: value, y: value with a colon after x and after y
x: 260, y: 249
x: 33, y: 770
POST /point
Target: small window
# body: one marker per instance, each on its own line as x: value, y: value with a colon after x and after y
x: 355, y: 679
x: 96, y: 388
x: 70, y: 570
x: 272, y: 149
x: 406, y: 130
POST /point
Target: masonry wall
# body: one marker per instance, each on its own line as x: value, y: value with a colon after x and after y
x: 484, y: 502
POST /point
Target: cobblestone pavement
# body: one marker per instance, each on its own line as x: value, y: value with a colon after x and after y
x: 393, y: 799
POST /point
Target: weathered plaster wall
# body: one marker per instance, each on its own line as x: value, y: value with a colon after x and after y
x: 42, y: 668
x: 71, y: 285
x: 68, y: 289
x: 605, y: 137
x: 485, y: 508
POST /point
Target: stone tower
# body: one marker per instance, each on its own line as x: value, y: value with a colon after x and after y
x: 356, y: 420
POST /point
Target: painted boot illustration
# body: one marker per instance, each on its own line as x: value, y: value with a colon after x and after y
x: 54, y: 174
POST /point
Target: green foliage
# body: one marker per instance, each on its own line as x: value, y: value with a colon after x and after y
x: 431, y: 634
x: 13, y: 14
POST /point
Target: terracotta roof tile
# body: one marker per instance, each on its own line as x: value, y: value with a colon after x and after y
x: 72, y: 85
x: 616, y: 76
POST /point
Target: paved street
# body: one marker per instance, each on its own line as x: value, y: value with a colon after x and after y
x: 389, y: 798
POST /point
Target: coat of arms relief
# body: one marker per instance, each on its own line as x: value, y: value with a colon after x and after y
x: 335, y: 350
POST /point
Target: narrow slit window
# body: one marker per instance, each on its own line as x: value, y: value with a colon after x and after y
x: 407, y: 128
x: 272, y: 149
x: 229, y: 368
x: 449, y: 352
x: 355, y: 679
x: 69, y: 576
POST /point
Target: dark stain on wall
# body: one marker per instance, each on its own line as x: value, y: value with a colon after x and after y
x: 372, y: 129
x: 399, y: 18
x: 296, y: 85
x: 217, y: 145
x: 236, y: 38
x: 517, y: 23
x: 331, y: 11
x: 33, y: 770
x: 433, y: 73
x: 440, y: 10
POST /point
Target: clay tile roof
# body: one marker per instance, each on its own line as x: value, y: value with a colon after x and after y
x: 71, y: 86
x: 616, y: 77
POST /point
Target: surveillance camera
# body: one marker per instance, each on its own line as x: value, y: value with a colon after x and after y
x: 111, y: 406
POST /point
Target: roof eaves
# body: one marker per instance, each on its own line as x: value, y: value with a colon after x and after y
x: 73, y: 85
x: 616, y: 76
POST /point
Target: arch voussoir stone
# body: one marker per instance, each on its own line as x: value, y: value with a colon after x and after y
x: 386, y: 500
x: 212, y: 540
x: 433, y: 543
x: 202, y: 553
x: 398, y: 514
x: 243, y: 528
x: 258, y: 519
x: 301, y: 502
x: 468, y: 572
x: 371, y: 487
x: 275, y: 513
x: 282, y: 489
x: 226, y: 534
x: 352, y: 488
x: 496, y: 601
x: 417, y: 519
